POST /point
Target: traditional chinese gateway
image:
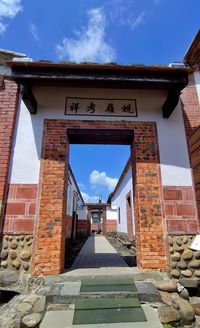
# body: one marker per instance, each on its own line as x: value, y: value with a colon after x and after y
x: 45, y: 107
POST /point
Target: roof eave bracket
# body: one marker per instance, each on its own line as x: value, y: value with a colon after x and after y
x: 29, y: 99
x: 171, y: 102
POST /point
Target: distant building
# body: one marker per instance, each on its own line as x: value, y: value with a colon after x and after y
x: 121, y: 212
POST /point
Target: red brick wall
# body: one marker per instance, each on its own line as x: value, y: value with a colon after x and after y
x: 191, y: 106
x: 8, y: 109
x: 191, y: 115
x: 180, y: 210
x: 49, y: 242
x: 150, y: 234
x: 20, y: 212
x: 83, y: 226
x: 111, y: 225
x: 94, y: 226
x: 194, y: 143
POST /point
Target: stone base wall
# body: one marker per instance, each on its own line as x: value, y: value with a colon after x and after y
x: 16, y: 252
x: 184, y: 262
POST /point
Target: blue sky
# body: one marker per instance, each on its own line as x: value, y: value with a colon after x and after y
x: 123, y: 31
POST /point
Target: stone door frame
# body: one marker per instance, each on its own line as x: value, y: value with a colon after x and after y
x: 49, y: 240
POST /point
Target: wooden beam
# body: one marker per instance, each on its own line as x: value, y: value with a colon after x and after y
x: 100, y: 136
x: 29, y: 99
x: 171, y: 102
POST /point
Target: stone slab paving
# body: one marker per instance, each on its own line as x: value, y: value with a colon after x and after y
x: 97, y: 252
x: 64, y: 319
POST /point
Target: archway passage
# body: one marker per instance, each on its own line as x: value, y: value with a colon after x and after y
x: 48, y: 257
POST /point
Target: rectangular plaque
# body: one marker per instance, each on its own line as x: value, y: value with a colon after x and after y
x: 75, y: 106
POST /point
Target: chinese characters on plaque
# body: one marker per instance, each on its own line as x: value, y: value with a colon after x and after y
x: 100, y: 107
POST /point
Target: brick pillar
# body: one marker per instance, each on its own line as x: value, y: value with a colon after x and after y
x: 191, y: 106
x: 149, y: 225
x: 48, y: 257
x: 8, y: 109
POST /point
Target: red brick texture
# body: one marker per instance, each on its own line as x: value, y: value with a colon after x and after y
x: 111, y: 225
x: 48, y: 256
x: 20, y: 212
x: 129, y: 216
x: 8, y: 109
x: 191, y: 114
x: 83, y: 226
x: 191, y: 106
x: 180, y: 210
x: 194, y: 144
x: 49, y: 241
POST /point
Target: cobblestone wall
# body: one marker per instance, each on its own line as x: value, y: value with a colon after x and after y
x: 16, y: 252
x: 184, y: 261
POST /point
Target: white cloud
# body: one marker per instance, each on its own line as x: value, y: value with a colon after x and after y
x: 89, y: 44
x: 89, y: 199
x: 34, y: 31
x: 101, y: 179
x: 8, y: 9
x: 2, y: 28
x: 137, y: 21
x: 124, y: 14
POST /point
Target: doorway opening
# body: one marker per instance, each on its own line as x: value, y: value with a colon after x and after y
x: 99, y: 179
x: 145, y: 163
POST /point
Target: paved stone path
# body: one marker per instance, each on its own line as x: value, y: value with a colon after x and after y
x: 98, y: 253
x: 96, y: 258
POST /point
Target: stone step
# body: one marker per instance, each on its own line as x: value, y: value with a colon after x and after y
x: 64, y: 319
x: 110, y: 310
x: 72, y: 277
x: 69, y: 292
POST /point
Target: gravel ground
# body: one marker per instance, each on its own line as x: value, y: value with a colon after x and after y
x: 128, y: 254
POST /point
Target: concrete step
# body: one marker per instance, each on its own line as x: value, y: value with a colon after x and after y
x: 64, y: 319
x: 69, y: 292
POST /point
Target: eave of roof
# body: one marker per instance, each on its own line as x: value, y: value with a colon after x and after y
x: 116, y: 76
x: 11, y: 53
x: 88, y: 66
x: 97, y: 205
x: 192, y: 56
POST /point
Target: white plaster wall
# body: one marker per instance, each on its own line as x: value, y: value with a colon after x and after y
x: 175, y: 168
x: 111, y: 214
x: 70, y: 199
x: 70, y: 196
x: 197, y: 82
x: 119, y: 200
x: 82, y: 214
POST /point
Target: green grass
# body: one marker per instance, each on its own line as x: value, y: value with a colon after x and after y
x: 172, y: 325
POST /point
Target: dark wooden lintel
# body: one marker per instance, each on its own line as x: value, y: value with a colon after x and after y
x: 29, y: 99
x: 171, y: 102
x: 100, y: 136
